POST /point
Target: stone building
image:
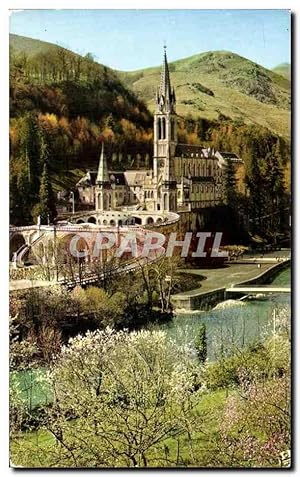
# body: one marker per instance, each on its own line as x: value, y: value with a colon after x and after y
x: 184, y: 177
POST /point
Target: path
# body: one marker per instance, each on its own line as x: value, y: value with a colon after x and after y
x: 233, y: 273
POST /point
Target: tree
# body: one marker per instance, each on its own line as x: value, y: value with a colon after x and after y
x: 256, y: 424
x: 230, y: 184
x: 201, y: 344
x: 121, y: 400
x: 257, y: 200
x: 23, y: 196
x: 274, y: 189
x: 165, y: 271
x: 46, y: 209
x: 15, y: 201
x: 30, y: 152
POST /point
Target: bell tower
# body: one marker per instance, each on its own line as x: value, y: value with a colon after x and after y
x: 103, y: 191
x: 165, y: 140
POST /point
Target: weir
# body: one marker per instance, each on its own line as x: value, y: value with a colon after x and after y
x: 206, y: 299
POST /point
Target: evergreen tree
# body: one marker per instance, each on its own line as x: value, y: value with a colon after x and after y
x: 46, y: 209
x: 257, y: 200
x: 230, y: 185
x: 274, y: 188
x: 21, y: 200
x: 30, y: 153
x: 201, y: 344
x: 16, y: 215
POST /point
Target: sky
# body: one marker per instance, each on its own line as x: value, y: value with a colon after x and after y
x: 133, y: 39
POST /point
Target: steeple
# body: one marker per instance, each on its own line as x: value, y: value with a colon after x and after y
x: 103, y: 191
x: 165, y: 141
x: 165, y: 97
x: 102, y: 175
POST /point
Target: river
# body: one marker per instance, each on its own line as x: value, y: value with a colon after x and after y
x: 236, y: 324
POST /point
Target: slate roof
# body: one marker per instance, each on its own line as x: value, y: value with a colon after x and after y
x: 188, y: 150
x: 89, y: 179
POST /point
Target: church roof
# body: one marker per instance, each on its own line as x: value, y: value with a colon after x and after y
x: 90, y: 178
x: 134, y: 178
x: 117, y: 178
x: 192, y: 150
x: 230, y: 155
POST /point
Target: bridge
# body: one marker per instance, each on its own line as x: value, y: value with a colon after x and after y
x: 34, y: 238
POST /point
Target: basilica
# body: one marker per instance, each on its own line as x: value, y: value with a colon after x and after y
x: 183, y: 178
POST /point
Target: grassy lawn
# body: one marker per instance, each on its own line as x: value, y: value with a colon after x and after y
x: 210, y: 405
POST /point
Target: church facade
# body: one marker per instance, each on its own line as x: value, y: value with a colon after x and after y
x: 184, y: 177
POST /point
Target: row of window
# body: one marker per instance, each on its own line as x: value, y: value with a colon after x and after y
x: 149, y: 194
x: 198, y: 170
x: 161, y: 129
x: 203, y: 188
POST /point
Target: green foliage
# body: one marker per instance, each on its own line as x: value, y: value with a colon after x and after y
x: 129, y: 393
x: 230, y: 185
x: 61, y: 106
x: 46, y: 205
x: 201, y: 343
x: 256, y: 424
x: 262, y: 361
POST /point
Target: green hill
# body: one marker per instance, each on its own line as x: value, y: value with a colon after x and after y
x: 221, y: 82
x: 284, y: 69
x: 30, y: 46
x: 62, y: 106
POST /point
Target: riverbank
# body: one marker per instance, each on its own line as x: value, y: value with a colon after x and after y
x: 234, y: 325
x: 216, y: 281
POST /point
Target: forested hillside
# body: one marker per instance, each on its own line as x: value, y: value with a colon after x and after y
x: 62, y: 105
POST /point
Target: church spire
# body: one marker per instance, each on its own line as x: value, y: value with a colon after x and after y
x: 102, y: 175
x: 165, y: 84
x: 165, y: 99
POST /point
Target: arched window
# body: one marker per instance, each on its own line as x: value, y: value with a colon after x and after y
x: 150, y: 221
x: 163, y: 128
x: 159, y: 128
